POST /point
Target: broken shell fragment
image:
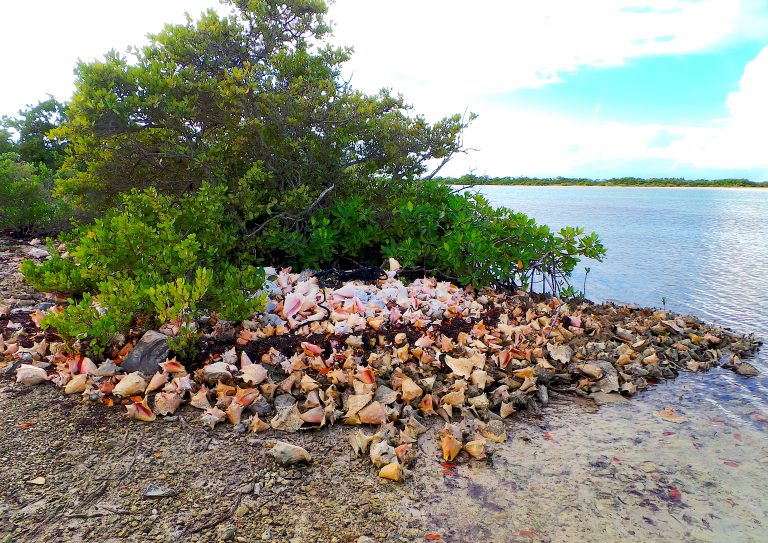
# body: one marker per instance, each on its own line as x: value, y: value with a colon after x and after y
x: 360, y: 442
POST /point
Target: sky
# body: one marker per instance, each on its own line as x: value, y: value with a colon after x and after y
x: 596, y: 88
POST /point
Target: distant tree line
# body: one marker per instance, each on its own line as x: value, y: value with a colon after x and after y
x: 471, y: 179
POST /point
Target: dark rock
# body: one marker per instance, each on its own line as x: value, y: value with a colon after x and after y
x: 146, y: 356
x: 261, y: 407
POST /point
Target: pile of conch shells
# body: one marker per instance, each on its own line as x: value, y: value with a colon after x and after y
x: 393, y: 355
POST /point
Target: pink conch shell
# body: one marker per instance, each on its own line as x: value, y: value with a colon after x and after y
x: 167, y: 403
x: 140, y: 411
x: 157, y: 382
x: 292, y: 304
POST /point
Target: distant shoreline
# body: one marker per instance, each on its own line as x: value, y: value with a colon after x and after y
x: 730, y: 187
x: 627, y: 182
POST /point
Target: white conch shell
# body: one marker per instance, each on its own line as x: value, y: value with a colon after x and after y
x: 254, y: 374
x: 28, y: 374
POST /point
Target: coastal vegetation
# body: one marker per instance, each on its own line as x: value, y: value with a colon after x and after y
x: 471, y: 179
x: 233, y: 142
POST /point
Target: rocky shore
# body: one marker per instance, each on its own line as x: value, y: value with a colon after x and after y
x: 380, y: 372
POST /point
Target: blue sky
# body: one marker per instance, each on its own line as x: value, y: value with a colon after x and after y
x: 597, y: 88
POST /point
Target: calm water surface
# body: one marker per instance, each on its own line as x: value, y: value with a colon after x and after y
x: 618, y: 472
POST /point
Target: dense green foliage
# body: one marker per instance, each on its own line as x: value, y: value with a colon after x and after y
x: 613, y: 182
x: 152, y: 256
x: 426, y: 226
x: 29, y: 159
x: 233, y: 142
x: 26, y: 204
x: 34, y: 142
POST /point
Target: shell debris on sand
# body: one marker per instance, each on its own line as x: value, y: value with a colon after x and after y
x: 392, y: 354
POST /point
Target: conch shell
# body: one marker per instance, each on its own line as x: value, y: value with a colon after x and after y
x: 450, y: 445
x: 140, y: 411
x: 157, y: 382
x: 360, y: 442
x: 213, y: 416
x: 130, y: 385
x: 28, y: 374
x: 167, y: 403
x: 476, y: 448
x: 200, y: 398
x: 410, y: 390
x: 76, y: 385
x: 234, y: 412
x: 258, y: 425
x: 392, y: 471
x: 254, y: 374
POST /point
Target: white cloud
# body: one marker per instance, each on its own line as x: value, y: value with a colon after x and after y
x: 469, y: 49
x: 42, y: 40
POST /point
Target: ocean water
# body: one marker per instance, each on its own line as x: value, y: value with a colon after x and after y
x: 618, y: 472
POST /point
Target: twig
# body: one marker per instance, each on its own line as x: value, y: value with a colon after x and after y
x: 219, y: 519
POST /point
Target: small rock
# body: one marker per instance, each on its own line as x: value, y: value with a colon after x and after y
x: 287, y: 454
x: 648, y: 467
x: 38, y: 252
x: 225, y: 533
x: 154, y: 491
